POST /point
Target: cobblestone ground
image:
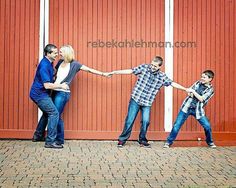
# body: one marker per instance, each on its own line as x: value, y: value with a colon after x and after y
x: 102, y: 164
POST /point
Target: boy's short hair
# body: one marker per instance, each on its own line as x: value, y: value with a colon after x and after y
x: 209, y: 73
x: 158, y: 59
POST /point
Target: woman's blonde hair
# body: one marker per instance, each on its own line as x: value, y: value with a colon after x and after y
x: 68, y: 53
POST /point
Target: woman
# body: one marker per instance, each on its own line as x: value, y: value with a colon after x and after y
x: 66, y: 70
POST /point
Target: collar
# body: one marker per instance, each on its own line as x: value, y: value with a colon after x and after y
x: 48, y: 59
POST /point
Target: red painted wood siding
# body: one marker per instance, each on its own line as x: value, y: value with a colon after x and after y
x: 212, y: 25
x: 98, y: 106
x: 19, y: 28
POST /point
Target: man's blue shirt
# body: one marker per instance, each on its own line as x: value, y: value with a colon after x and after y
x: 43, y: 75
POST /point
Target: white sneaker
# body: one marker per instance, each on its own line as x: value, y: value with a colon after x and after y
x: 166, y: 145
x: 212, y: 145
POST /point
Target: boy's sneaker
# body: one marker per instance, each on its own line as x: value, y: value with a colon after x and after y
x: 212, y: 145
x: 144, y: 144
x: 166, y: 145
x: 120, y: 144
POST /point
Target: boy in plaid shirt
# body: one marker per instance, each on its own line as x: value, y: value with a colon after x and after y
x: 199, y: 94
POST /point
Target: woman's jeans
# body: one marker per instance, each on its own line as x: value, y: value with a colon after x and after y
x: 60, y: 98
x: 133, y: 110
x: 181, y: 118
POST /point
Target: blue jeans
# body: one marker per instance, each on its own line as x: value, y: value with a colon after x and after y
x: 181, y: 118
x: 60, y: 98
x: 133, y: 110
x: 50, y: 116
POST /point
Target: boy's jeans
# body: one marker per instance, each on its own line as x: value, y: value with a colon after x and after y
x: 50, y: 116
x: 60, y: 98
x: 180, y: 121
x: 133, y: 110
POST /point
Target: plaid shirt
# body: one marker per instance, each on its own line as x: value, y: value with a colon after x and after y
x: 148, y: 84
x: 207, y: 93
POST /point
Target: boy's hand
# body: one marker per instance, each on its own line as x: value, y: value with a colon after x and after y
x: 191, y: 95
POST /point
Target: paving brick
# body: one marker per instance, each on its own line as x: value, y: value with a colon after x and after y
x: 102, y: 164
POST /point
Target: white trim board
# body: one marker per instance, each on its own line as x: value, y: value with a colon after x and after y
x: 169, y: 54
x: 43, y: 32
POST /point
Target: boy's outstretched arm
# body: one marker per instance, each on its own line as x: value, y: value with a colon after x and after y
x: 178, y: 86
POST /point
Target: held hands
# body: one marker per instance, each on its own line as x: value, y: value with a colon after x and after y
x: 108, y: 74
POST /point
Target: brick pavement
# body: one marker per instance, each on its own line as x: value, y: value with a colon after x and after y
x: 101, y: 164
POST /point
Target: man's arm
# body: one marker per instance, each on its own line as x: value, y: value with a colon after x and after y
x: 52, y: 86
x: 178, y: 86
x: 126, y: 71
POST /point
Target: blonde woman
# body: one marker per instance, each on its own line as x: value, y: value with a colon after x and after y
x: 66, y: 69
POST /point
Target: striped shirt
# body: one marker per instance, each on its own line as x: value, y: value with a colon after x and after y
x: 207, y: 92
x: 148, y: 84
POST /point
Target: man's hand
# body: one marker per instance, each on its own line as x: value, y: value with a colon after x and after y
x: 190, y: 90
x: 64, y: 86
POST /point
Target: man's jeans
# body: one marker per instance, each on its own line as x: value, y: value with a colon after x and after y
x: 181, y: 118
x: 133, y: 110
x: 50, y: 116
x: 60, y: 99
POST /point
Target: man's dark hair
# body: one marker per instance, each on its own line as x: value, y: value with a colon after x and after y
x: 48, y: 49
x: 158, y: 59
x: 209, y: 73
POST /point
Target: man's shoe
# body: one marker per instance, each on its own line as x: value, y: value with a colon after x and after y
x: 144, y: 144
x: 53, y: 146
x: 166, y: 145
x: 120, y: 144
x: 38, y: 139
x: 212, y: 145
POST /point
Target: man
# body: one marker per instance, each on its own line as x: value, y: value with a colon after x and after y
x: 40, y: 94
x: 199, y: 94
x: 150, y: 80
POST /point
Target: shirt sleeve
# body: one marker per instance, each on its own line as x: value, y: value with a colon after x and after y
x: 44, y: 74
x: 167, y: 81
x: 78, y: 66
x: 137, y: 70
